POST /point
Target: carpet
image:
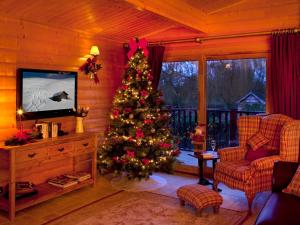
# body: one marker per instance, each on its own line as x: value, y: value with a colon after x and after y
x: 145, y: 208
x: 133, y: 185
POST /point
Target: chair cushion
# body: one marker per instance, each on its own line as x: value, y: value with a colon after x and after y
x: 270, y: 128
x: 294, y: 187
x: 252, y: 155
x: 199, y: 196
x: 257, y: 141
x: 239, y: 169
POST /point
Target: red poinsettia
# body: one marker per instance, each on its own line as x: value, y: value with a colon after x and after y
x: 142, y: 101
x: 130, y: 154
x: 115, y: 113
x: 150, y: 77
x: 124, y: 87
x: 128, y: 110
x: 139, y: 133
x: 165, y: 145
x: 116, y: 158
x: 23, y: 135
x: 145, y: 161
x: 147, y: 121
x: 144, y: 93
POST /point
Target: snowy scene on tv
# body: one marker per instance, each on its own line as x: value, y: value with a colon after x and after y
x: 48, y: 91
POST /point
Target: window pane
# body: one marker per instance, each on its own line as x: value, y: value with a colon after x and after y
x: 234, y: 87
x: 179, y: 84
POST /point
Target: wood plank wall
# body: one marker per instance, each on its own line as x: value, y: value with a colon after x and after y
x: 222, y: 48
x: 31, y: 45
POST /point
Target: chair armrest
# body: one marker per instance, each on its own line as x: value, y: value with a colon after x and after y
x: 265, y: 163
x: 283, y: 173
x: 232, y: 153
x: 289, y: 141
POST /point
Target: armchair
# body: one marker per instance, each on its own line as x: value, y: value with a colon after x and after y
x: 256, y: 176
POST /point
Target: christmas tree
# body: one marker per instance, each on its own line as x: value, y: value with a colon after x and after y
x: 138, y: 140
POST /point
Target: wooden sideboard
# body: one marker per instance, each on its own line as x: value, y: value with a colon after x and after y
x: 41, y: 160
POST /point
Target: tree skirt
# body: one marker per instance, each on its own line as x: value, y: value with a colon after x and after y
x: 134, y: 185
x: 144, y: 208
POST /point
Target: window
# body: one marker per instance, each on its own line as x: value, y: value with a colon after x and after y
x: 234, y: 87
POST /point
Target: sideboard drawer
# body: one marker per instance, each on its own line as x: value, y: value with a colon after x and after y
x: 87, y: 145
x: 61, y: 149
x: 31, y: 154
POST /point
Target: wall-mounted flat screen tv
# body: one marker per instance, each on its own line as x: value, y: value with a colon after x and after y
x: 46, y: 93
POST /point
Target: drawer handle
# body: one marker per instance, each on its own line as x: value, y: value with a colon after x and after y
x: 31, y: 155
x: 61, y: 149
x: 85, y: 144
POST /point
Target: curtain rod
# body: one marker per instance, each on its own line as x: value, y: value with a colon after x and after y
x: 201, y: 39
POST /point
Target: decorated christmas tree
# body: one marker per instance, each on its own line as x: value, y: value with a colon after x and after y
x: 138, y: 140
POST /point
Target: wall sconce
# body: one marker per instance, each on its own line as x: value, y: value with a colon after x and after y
x: 91, y: 67
x: 94, y: 51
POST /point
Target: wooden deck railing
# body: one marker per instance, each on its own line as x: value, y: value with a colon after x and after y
x: 221, y: 125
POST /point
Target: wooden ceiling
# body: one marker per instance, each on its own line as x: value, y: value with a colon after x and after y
x: 170, y: 19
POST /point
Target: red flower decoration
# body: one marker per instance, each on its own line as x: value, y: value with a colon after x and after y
x: 150, y: 77
x: 139, y: 133
x: 148, y: 121
x: 130, y: 154
x: 128, y: 110
x: 124, y: 87
x: 142, y: 101
x: 23, y: 135
x: 115, y: 158
x: 115, y: 113
x: 145, y: 161
x: 144, y: 93
x: 165, y: 145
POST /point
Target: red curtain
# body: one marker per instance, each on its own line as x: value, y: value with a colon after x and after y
x: 155, y: 59
x: 284, y: 79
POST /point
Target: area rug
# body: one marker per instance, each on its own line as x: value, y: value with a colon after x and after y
x: 144, y: 208
x: 123, y: 183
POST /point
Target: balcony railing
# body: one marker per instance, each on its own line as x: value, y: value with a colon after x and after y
x: 221, y: 125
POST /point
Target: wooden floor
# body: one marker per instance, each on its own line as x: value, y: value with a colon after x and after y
x: 47, y: 212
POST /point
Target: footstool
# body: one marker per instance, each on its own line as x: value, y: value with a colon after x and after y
x: 200, y: 197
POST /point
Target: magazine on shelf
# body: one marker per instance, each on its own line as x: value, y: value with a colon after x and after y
x: 80, y: 176
x: 62, y: 181
x: 207, y: 155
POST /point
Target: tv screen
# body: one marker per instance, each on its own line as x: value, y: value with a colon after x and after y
x: 47, y: 93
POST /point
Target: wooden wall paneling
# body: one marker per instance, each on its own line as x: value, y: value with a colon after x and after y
x: 30, y: 45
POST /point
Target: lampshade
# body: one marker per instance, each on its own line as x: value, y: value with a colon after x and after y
x: 94, y: 50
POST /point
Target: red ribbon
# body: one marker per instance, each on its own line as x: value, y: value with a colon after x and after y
x: 134, y: 45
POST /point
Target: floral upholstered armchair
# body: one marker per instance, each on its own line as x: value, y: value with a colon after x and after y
x: 262, y: 141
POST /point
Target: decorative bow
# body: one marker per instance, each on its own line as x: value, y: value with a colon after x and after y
x: 135, y: 44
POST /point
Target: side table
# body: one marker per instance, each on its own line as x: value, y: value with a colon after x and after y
x: 201, y: 160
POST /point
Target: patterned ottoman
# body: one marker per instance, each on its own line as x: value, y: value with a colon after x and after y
x: 200, y: 197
